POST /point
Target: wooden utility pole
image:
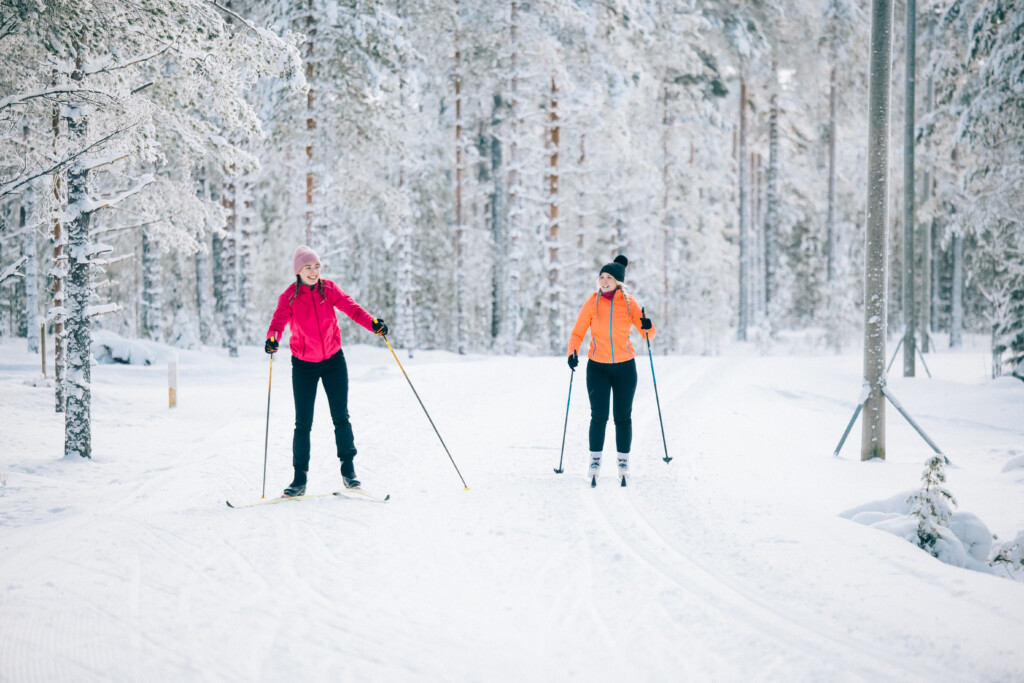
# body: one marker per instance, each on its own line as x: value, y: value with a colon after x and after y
x: 876, y: 253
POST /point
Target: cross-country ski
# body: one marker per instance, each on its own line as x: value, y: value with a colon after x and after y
x: 281, y: 499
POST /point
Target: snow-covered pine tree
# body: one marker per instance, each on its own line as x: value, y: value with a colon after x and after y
x: 109, y: 88
x: 932, y: 505
x: 743, y: 28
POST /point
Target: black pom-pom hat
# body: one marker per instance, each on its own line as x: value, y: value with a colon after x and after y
x: 617, y: 268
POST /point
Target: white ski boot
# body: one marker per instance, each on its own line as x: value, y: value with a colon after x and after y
x: 595, y: 467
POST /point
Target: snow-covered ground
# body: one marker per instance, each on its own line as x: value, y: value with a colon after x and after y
x: 731, y: 563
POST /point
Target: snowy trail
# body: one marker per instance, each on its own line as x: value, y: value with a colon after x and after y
x: 729, y: 563
x: 783, y: 642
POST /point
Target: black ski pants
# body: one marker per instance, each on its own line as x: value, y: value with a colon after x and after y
x: 306, y: 376
x: 618, y: 380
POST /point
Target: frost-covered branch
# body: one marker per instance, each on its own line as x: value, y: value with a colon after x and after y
x: 95, y: 69
x: 7, y: 24
x: 143, y: 182
x: 102, y: 309
x: 95, y: 205
x: 12, y: 270
x: 13, y: 185
x: 245, y: 22
x: 21, y: 98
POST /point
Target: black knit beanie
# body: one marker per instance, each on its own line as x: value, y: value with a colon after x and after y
x: 617, y: 269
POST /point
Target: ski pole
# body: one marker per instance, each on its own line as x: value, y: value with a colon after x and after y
x: 656, y: 400
x: 424, y: 409
x: 266, y: 433
x: 566, y: 426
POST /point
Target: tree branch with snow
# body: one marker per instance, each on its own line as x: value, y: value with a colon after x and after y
x: 12, y: 270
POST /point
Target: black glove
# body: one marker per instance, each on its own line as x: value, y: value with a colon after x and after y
x: 379, y: 327
x: 270, y: 346
x: 574, y: 360
x: 645, y: 323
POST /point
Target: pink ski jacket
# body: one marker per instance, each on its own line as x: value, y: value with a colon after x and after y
x: 315, y: 332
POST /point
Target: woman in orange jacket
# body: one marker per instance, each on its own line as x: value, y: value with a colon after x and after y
x: 610, y: 314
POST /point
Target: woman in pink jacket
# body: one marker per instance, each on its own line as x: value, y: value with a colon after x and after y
x: 308, y: 307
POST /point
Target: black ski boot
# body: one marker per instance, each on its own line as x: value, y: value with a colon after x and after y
x: 348, y: 474
x: 297, y: 487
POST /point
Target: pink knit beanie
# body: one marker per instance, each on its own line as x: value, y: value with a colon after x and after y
x: 303, y: 257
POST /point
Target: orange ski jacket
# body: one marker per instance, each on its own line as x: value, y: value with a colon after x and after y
x: 610, y: 323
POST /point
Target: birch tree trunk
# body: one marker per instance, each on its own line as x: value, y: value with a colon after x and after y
x: 152, y: 289
x: 78, y: 335
x: 744, y: 186
x: 59, y: 271
x: 514, y: 189
x: 926, y: 241
x: 203, y: 280
x: 31, y: 284
x: 202, y: 264
x: 936, y: 299
x: 244, y: 232
x: 28, y: 230
x: 404, y: 291
x: 956, y: 324
x: 581, y: 220
x: 667, y: 219
x: 876, y: 259
x: 771, y: 220
x: 833, y: 104
x: 554, y: 220
x: 404, y: 295
x: 909, y: 297
x: 228, y: 262
x: 497, y: 216
x: 310, y: 123
x: 460, y: 228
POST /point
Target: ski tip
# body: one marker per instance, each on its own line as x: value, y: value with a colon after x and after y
x: 593, y: 482
x: 387, y: 497
x: 623, y: 481
x: 229, y: 503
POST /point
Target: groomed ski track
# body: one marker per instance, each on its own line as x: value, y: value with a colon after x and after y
x: 721, y: 565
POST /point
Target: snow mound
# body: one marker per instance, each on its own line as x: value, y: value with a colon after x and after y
x: 1016, y: 463
x: 966, y: 543
x: 109, y: 348
x: 1010, y: 557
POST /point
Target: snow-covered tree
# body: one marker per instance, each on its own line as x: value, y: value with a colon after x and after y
x: 933, y: 506
x: 120, y: 90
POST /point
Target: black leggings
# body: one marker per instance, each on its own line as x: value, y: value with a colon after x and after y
x: 618, y: 379
x: 305, y: 378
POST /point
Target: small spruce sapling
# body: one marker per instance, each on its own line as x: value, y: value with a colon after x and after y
x: 932, y: 506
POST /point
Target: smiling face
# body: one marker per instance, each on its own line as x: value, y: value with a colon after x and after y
x: 310, y: 273
x: 607, y: 283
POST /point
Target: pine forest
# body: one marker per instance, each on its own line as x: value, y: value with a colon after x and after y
x: 464, y: 168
